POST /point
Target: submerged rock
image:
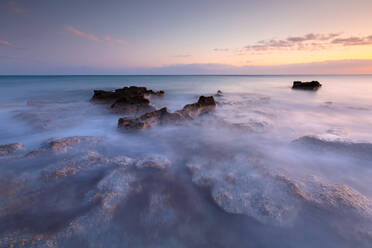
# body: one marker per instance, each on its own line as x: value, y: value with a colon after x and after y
x: 357, y: 150
x: 313, y: 85
x: 9, y: 149
x: 62, y: 145
x: 163, y: 116
x: 128, y: 99
x: 153, y: 161
x: 276, y: 197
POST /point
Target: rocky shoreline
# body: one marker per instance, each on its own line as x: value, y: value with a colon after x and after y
x: 77, y: 190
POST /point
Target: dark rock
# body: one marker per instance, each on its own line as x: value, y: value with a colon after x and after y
x: 163, y: 116
x: 219, y: 93
x: 128, y: 99
x: 10, y: 148
x: 313, y: 85
x: 158, y: 117
x: 204, y: 105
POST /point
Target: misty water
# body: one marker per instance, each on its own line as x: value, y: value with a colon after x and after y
x: 270, y: 167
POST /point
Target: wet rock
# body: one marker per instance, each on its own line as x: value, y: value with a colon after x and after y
x: 128, y: 99
x: 313, y: 85
x: 63, y: 145
x: 9, y: 149
x: 219, y: 93
x: 163, y: 116
x: 314, y: 144
x: 276, y: 197
x: 204, y: 105
x: 114, y: 188
x: 158, y: 117
x: 153, y: 161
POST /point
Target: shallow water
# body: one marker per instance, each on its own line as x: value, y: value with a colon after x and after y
x: 253, y: 126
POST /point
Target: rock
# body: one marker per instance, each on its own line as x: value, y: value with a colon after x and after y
x: 219, y: 94
x: 204, y: 105
x: 313, y: 85
x: 8, y: 149
x: 163, y: 116
x: 158, y: 117
x: 62, y: 145
x: 153, y: 161
x: 128, y: 99
x: 274, y: 196
x: 357, y: 150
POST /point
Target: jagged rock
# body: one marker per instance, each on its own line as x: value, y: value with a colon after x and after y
x: 313, y: 85
x: 163, y: 116
x: 153, y: 161
x: 8, y: 149
x: 128, y: 99
x: 204, y: 105
x: 158, y: 117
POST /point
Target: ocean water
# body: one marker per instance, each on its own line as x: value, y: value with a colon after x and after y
x: 254, y: 126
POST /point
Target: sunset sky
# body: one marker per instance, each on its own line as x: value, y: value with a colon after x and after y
x: 185, y: 37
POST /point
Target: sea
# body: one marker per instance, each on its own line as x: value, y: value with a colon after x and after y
x: 270, y: 167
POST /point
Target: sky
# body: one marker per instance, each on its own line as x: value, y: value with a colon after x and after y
x: 185, y: 37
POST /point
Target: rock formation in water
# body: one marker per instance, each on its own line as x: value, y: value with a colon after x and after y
x: 313, y: 85
x: 127, y: 100
x: 9, y: 149
x: 163, y: 116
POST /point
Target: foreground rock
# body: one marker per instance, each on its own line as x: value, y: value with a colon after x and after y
x: 277, y: 197
x: 313, y: 85
x: 63, y: 145
x: 9, y: 149
x: 163, y: 116
x: 128, y: 99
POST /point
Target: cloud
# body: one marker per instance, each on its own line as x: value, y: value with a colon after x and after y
x: 308, y: 42
x: 354, y: 41
x: 16, y: 7
x: 122, y: 42
x: 93, y: 37
x: 220, y: 49
x: 6, y: 43
x: 81, y: 34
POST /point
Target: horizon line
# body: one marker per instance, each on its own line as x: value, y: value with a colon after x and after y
x: 69, y: 75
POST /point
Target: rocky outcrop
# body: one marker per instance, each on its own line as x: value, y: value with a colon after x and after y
x: 128, y: 99
x: 313, y: 85
x: 163, y: 116
x: 9, y: 149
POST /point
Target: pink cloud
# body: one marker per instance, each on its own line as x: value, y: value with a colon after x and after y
x: 93, y: 37
x: 6, y: 43
x: 81, y: 34
x: 122, y: 42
